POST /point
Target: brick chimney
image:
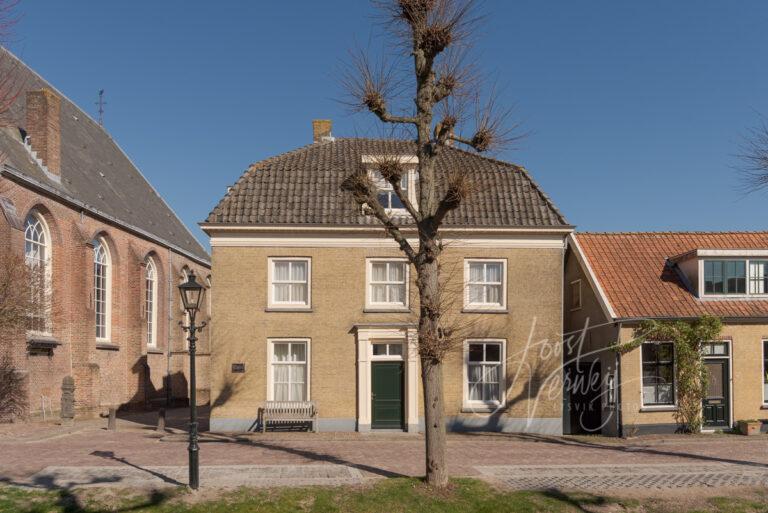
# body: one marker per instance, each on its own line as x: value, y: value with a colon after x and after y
x: 321, y: 129
x: 44, y: 127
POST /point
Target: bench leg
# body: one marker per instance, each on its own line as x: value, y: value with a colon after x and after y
x: 263, y: 424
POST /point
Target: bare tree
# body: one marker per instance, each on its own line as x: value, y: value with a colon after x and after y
x: 432, y: 37
x: 754, y: 158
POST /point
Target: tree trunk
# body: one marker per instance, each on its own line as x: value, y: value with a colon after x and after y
x: 431, y: 354
x: 434, y: 428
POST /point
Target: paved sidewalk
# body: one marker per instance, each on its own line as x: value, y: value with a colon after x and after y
x: 516, y: 461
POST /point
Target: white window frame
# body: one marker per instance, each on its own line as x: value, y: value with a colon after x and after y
x: 487, y: 406
x: 369, y: 303
x: 282, y: 305
x: 150, y: 302
x: 46, y: 262
x: 389, y: 343
x: 102, y: 242
x: 651, y: 407
x: 485, y: 307
x: 763, y: 341
x: 747, y: 275
x: 270, y: 363
x: 410, y: 174
x: 576, y: 283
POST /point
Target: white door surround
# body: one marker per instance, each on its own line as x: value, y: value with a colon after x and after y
x: 366, y: 337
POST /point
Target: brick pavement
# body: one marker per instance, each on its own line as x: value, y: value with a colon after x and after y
x: 25, y: 453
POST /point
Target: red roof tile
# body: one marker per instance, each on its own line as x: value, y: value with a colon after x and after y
x: 632, y: 270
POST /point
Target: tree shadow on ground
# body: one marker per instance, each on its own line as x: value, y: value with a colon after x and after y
x: 306, y: 454
x: 577, y: 501
x: 626, y: 449
x: 68, y: 501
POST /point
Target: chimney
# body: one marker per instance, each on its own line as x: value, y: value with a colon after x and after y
x: 321, y: 130
x: 44, y: 128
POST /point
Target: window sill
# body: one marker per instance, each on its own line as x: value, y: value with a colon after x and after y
x: 289, y: 309
x: 645, y: 409
x: 386, y: 310
x: 481, y: 408
x: 154, y: 350
x: 764, y: 407
x: 107, y: 346
x: 473, y: 309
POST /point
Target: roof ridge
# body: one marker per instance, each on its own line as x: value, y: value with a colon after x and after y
x: 681, y: 232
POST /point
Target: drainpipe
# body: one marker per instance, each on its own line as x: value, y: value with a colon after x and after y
x: 619, y: 427
x: 168, y: 339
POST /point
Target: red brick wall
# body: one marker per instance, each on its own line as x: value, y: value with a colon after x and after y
x: 123, y: 376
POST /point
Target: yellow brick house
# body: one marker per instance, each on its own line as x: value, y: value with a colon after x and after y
x: 315, y: 303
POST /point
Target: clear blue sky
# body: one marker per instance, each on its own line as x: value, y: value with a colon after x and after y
x: 635, y: 108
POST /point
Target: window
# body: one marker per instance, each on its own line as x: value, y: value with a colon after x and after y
x: 102, y: 288
x: 37, y: 255
x: 758, y: 277
x: 725, y: 276
x: 658, y: 373
x: 575, y: 294
x: 150, y: 302
x: 387, y: 284
x: 765, y: 371
x: 382, y: 349
x: 387, y: 196
x: 289, y: 376
x: 289, y: 282
x: 484, y: 373
x: 485, y: 284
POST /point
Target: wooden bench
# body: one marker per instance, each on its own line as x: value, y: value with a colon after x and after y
x: 289, y: 411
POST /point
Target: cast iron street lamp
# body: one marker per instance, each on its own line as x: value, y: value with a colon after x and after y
x: 192, y: 297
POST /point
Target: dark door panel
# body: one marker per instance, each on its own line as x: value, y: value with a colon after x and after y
x: 387, y: 395
x: 716, y: 405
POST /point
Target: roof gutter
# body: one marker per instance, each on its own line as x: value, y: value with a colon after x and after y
x: 237, y: 227
x: 18, y: 175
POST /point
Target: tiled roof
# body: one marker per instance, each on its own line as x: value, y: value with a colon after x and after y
x: 632, y: 270
x: 94, y: 170
x: 304, y: 187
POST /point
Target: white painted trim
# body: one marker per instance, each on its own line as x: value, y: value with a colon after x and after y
x: 155, y: 283
x: 602, y: 298
x: 485, y: 307
x: 364, y: 339
x: 402, y: 159
x: 369, y: 304
x: 763, y: 340
x: 107, y: 292
x: 270, y: 374
x: 746, y: 295
x: 271, y: 303
x: 651, y: 407
x: 480, y: 405
x: 729, y: 356
x: 738, y: 253
x: 581, y: 297
x: 380, y: 240
x: 305, y: 229
x: 47, y: 268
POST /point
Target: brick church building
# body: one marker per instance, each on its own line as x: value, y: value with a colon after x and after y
x: 111, y: 254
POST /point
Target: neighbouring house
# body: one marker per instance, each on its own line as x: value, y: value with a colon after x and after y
x: 616, y: 280
x: 315, y: 303
x: 110, y: 252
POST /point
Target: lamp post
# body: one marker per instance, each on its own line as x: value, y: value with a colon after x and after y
x: 192, y: 297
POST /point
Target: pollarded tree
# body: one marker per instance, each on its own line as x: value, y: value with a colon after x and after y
x: 433, y: 39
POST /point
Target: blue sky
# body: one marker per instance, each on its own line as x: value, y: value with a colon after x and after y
x: 635, y: 109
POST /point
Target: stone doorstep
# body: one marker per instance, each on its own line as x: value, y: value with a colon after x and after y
x: 218, y: 476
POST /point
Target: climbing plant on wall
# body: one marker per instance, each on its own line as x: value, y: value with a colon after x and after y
x: 690, y: 372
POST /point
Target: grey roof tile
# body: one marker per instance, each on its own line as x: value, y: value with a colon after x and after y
x: 303, y: 186
x: 94, y: 169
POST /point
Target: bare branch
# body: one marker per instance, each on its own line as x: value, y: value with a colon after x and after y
x: 363, y: 191
x: 754, y: 158
x: 492, y: 128
x: 460, y: 189
x: 369, y: 85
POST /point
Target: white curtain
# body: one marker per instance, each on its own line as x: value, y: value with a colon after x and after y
x: 476, y: 272
x: 282, y: 271
x: 396, y: 272
x: 493, y: 273
x: 299, y: 271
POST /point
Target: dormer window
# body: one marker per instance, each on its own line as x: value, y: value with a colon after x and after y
x: 735, y: 277
x: 387, y: 196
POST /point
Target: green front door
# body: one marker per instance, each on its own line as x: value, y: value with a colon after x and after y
x: 716, y: 407
x: 387, y: 395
